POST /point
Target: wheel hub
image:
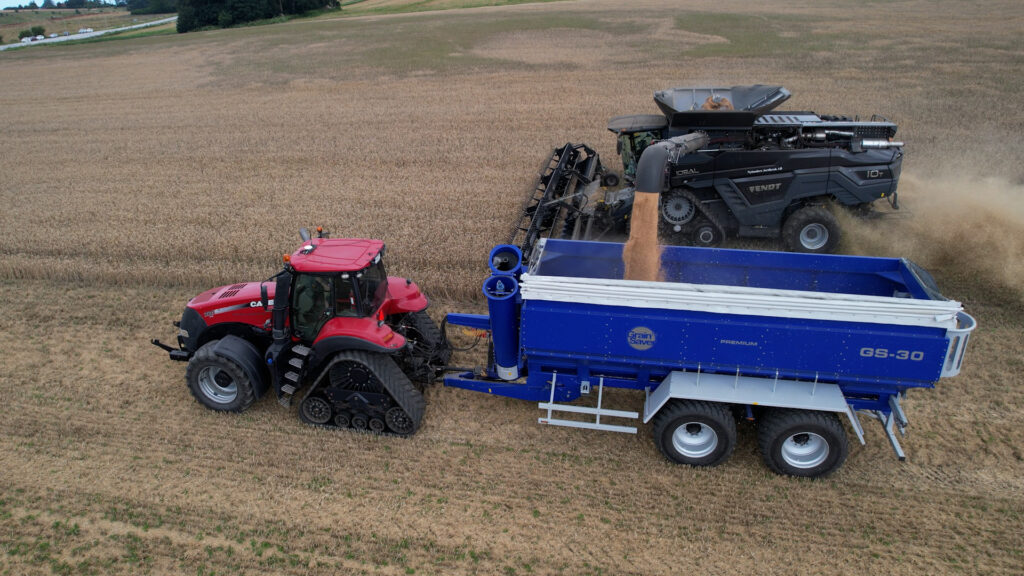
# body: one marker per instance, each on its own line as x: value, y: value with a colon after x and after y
x: 814, y: 236
x: 678, y: 209
x: 217, y: 385
x: 804, y: 450
x: 316, y: 410
x: 694, y: 440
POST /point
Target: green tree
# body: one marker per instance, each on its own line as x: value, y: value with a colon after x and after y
x: 24, y: 34
x: 48, y: 4
x: 38, y: 30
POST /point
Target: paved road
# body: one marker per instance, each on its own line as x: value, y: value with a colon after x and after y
x: 87, y: 34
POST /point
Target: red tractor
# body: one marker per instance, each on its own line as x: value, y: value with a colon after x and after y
x: 332, y: 322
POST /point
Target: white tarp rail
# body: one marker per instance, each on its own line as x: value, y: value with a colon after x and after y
x: 743, y: 300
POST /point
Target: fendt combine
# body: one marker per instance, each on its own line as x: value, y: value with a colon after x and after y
x: 749, y: 171
x: 331, y: 323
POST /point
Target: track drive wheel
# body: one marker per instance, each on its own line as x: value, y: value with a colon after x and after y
x: 811, y: 229
x: 695, y: 433
x: 217, y: 382
x: 804, y: 443
x: 706, y: 234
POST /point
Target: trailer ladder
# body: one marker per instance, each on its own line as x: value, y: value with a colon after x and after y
x: 552, y: 407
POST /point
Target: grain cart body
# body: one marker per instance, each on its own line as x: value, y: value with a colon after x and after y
x: 759, y: 332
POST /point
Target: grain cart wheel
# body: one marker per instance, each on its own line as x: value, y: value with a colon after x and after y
x: 802, y: 443
x: 218, y: 382
x: 695, y: 433
x: 811, y: 229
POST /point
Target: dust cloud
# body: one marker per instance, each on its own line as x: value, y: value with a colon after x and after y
x: 642, y: 254
x: 955, y: 224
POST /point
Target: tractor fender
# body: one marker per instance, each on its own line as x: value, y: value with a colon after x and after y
x: 404, y: 296
x: 248, y: 359
x: 327, y: 348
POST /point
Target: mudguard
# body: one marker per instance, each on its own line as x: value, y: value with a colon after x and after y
x: 403, y: 296
x: 248, y: 359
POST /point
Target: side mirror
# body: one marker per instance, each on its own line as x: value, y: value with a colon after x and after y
x: 264, y: 299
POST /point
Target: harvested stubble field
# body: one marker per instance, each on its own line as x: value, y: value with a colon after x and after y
x: 135, y: 173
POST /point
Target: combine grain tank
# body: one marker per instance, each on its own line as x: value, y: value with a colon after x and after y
x: 796, y: 342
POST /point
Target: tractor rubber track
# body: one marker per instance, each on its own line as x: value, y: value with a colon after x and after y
x: 394, y: 381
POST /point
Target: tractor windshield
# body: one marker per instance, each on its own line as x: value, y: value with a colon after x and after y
x: 373, y: 286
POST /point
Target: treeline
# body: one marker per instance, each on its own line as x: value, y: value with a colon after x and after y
x: 70, y: 4
x: 196, y: 14
x: 152, y: 6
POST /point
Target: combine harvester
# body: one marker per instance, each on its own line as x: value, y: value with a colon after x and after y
x: 796, y: 342
x: 753, y: 171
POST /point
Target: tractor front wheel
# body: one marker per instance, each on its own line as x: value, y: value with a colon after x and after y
x: 218, y: 382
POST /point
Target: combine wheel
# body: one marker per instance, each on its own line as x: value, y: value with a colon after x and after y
x: 610, y: 180
x: 811, y: 229
x: 695, y: 433
x: 802, y: 443
x: 315, y: 410
x: 217, y: 382
x: 360, y: 421
x: 677, y: 209
x: 706, y: 234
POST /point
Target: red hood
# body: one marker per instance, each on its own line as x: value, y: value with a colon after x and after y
x: 235, y: 303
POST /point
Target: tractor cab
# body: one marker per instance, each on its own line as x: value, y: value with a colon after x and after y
x: 335, y: 278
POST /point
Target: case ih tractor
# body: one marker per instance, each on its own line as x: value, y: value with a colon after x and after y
x: 753, y: 171
x: 333, y: 323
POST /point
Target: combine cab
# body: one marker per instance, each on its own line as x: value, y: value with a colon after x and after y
x: 331, y: 323
x: 762, y: 173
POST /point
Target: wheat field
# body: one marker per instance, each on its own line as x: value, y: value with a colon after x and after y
x: 135, y: 173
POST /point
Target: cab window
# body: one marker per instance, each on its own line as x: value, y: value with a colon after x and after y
x: 345, y: 302
x: 310, y: 305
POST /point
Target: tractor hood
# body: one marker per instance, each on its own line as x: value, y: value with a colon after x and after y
x: 235, y: 303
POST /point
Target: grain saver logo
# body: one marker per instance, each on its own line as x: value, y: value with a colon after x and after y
x: 641, y: 338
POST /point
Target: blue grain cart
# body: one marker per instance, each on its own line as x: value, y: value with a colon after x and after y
x: 795, y: 342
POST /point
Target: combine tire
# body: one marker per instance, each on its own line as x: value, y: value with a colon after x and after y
x: 695, y: 433
x: 802, y: 443
x: 217, y: 382
x: 706, y: 234
x: 610, y: 180
x: 811, y: 229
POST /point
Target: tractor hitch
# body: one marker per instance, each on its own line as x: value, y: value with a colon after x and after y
x: 174, y: 353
